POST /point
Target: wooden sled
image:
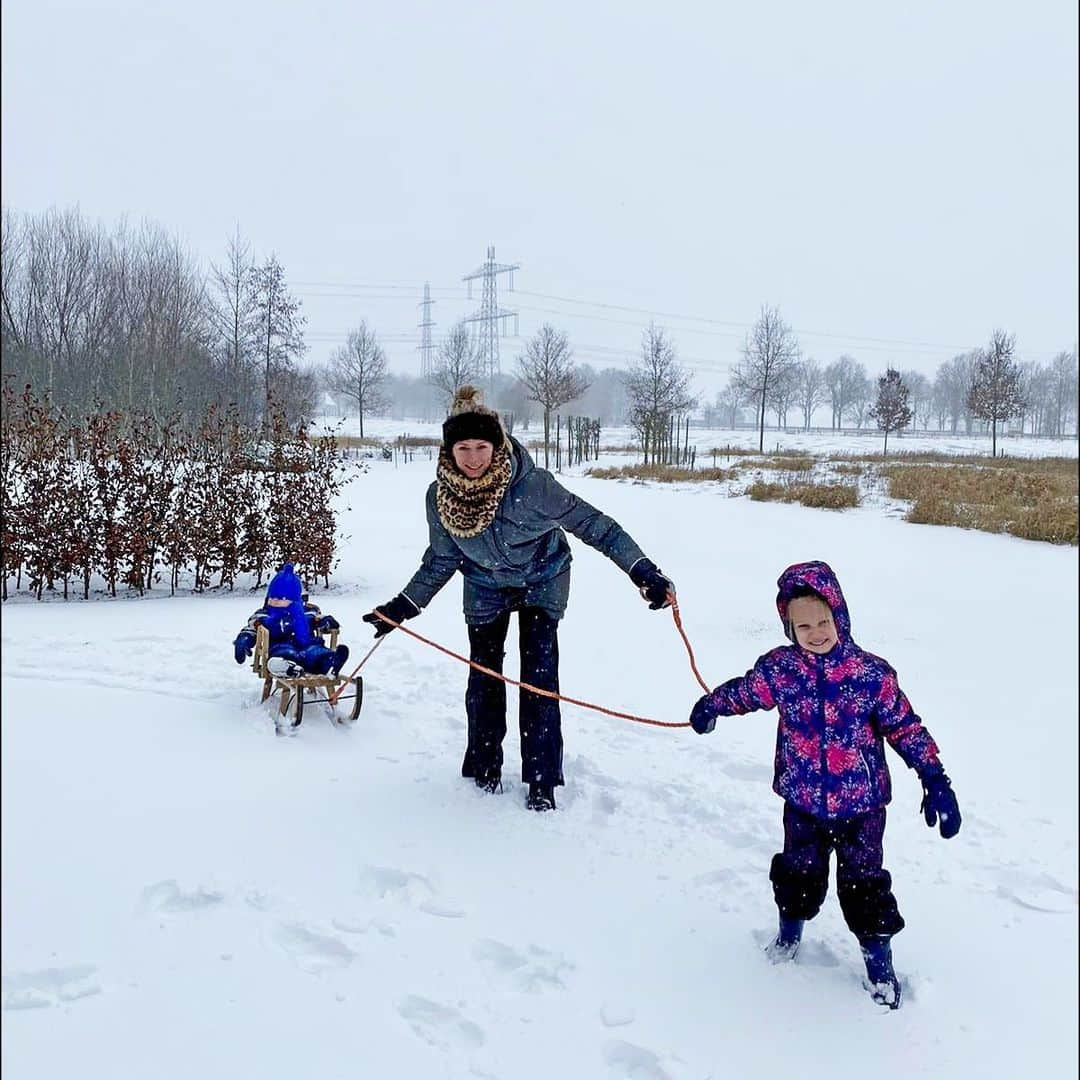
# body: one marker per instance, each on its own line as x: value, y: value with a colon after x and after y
x: 305, y: 689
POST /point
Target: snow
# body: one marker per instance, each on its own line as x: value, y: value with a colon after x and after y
x: 186, y: 895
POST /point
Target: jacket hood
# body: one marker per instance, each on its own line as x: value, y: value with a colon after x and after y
x: 523, y: 462
x: 819, y: 577
x: 285, y: 585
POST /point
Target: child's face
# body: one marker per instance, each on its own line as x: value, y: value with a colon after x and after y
x: 277, y: 601
x: 812, y: 622
x: 473, y: 456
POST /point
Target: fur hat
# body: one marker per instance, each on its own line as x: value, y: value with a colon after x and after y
x: 470, y: 419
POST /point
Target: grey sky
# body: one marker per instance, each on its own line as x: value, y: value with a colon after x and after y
x: 886, y: 174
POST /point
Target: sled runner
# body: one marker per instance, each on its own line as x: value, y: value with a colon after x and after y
x: 298, y: 687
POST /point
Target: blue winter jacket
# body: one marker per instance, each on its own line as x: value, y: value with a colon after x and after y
x: 523, y: 557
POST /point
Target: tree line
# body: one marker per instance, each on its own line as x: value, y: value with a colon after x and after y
x: 774, y: 379
x: 128, y: 318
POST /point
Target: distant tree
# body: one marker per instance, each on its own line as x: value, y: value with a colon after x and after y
x: 770, y: 353
x: 235, y: 315
x: 843, y: 377
x: 811, y: 388
x: 657, y: 387
x: 994, y: 394
x: 920, y: 397
x: 547, y: 369
x: 456, y: 365
x: 1062, y: 387
x: 891, y: 409
x: 358, y: 371
x: 729, y: 401
x: 951, y: 385
x: 280, y: 325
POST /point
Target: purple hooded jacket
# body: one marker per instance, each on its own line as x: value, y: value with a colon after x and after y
x: 835, y: 712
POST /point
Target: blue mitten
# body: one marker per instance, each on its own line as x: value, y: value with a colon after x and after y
x: 939, y: 805
x: 243, y: 645
x: 704, y: 714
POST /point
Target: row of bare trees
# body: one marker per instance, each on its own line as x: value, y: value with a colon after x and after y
x: 127, y: 317
x: 113, y: 500
x: 773, y: 378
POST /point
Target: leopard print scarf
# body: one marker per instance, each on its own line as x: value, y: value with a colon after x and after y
x: 467, y: 507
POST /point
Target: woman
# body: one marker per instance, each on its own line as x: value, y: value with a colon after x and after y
x: 496, y: 517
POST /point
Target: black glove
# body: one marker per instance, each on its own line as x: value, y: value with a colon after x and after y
x: 704, y: 714
x: 653, y: 585
x: 328, y: 623
x: 242, y: 646
x: 398, y: 610
x: 939, y: 801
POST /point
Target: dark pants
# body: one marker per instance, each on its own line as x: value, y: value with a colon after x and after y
x: 538, y: 717
x: 800, y: 873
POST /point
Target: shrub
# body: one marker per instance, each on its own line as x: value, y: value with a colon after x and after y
x: 1033, y: 499
x: 665, y: 474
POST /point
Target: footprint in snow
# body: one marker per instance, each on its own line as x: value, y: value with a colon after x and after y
x: 50, y: 986
x: 1041, y: 893
x: 404, y: 887
x: 310, y: 950
x: 531, y: 971
x: 438, y: 1025
x: 634, y: 1062
x: 168, y: 897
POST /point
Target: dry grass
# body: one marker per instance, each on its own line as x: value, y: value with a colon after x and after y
x: 800, y: 463
x: 665, y: 474
x: 818, y: 496
x: 354, y: 442
x: 416, y: 440
x: 849, y: 469
x: 1034, y: 499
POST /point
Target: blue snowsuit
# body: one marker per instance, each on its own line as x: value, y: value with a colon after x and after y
x: 292, y: 629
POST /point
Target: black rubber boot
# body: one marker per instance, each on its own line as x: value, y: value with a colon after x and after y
x: 881, y: 980
x: 541, y: 797
x: 785, y: 945
x: 490, y: 781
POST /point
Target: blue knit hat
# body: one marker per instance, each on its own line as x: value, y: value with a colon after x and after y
x: 285, y: 585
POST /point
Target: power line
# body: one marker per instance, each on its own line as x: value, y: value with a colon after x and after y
x: 449, y: 292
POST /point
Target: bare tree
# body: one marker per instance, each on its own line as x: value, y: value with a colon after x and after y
x: 920, y: 396
x: 1062, y: 388
x: 843, y: 377
x: 657, y: 387
x: 994, y: 394
x: 811, y: 388
x: 547, y: 369
x: 280, y: 323
x: 358, y: 371
x: 236, y: 315
x: 770, y: 353
x: 951, y: 385
x: 457, y: 364
x: 891, y: 409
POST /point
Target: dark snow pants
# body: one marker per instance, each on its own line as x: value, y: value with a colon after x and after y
x: 538, y: 717
x: 800, y: 873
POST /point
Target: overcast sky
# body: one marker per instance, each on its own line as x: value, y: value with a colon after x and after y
x: 899, y: 179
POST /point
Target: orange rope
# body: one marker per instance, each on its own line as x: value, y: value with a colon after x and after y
x: 539, y: 690
x: 686, y: 641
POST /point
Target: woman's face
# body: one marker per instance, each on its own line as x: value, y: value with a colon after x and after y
x: 473, y: 456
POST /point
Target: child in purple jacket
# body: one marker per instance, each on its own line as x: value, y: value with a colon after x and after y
x: 837, y: 705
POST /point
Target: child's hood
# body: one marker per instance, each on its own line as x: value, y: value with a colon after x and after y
x: 285, y: 585
x: 819, y: 577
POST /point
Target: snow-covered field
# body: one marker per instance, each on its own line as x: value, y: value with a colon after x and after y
x: 185, y: 895
x: 816, y: 442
